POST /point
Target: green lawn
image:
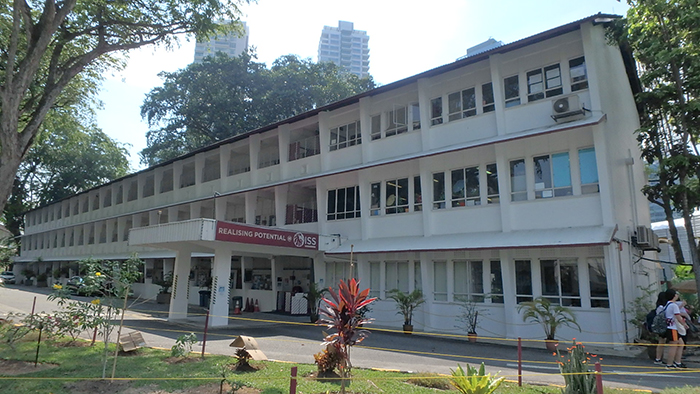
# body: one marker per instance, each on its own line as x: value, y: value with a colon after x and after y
x: 149, y: 367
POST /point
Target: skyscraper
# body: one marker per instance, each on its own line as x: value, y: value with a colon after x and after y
x: 345, y: 47
x: 229, y: 44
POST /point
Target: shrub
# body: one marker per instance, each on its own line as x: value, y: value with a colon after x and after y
x: 242, y: 358
x: 431, y: 380
x: 327, y: 360
x: 577, y: 377
x: 474, y: 382
x: 183, y: 345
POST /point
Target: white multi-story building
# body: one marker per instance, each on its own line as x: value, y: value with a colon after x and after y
x: 230, y: 44
x: 501, y: 177
x: 346, y: 47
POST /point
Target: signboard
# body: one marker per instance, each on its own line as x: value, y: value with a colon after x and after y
x: 234, y: 232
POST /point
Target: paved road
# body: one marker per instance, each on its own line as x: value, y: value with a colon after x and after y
x: 291, y: 338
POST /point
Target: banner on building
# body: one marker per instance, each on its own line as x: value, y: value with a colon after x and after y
x: 235, y: 232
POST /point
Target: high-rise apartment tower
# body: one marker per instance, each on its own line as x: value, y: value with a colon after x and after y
x: 229, y: 44
x: 345, y: 47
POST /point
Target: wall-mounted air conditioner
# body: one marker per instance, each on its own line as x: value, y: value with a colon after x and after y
x: 567, y: 109
x: 646, y: 239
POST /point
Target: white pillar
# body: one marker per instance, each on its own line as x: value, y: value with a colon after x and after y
x: 179, y: 298
x: 221, y: 271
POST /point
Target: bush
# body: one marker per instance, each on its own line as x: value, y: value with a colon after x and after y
x: 474, y: 382
x: 431, y: 380
x: 327, y: 360
x: 577, y: 377
x: 183, y: 345
x: 242, y: 358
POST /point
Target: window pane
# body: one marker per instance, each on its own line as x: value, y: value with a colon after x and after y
x: 523, y: 280
x: 512, y: 90
x: 374, y: 278
x: 476, y: 279
x: 598, y: 283
x: 468, y: 99
x: 436, y: 110
x: 487, y: 97
x: 472, y: 187
x: 340, y: 205
x: 350, y: 200
x: 549, y: 275
x: 535, y: 85
x: 391, y: 276
x: 578, y: 74
x: 457, y: 185
x: 376, y: 127
x: 331, y: 201
x: 460, y: 278
x: 492, y: 183
x: 455, y: 106
x: 588, y: 166
x: 402, y: 276
x: 417, y: 194
x: 569, y: 279
x: 552, y: 76
x: 415, y: 116
x: 496, y: 283
x: 375, y: 194
x: 517, y: 180
x: 543, y: 176
x: 417, y: 277
x: 402, y: 193
x: 561, y: 169
x: 440, y: 277
x: 439, y: 190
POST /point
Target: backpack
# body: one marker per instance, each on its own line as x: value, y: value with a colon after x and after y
x: 649, y: 320
x: 659, y: 324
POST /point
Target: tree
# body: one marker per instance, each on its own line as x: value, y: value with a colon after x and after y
x: 45, y: 45
x: 223, y: 96
x: 665, y: 41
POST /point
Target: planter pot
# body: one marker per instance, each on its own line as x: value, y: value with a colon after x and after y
x: 163, y: 298
x: 472, y: 337
x: 408, y: 329
x: 551, y: 344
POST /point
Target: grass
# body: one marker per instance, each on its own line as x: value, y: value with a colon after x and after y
x: 149, y: 367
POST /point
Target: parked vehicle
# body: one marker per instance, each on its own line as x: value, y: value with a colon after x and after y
x: 7, y: 277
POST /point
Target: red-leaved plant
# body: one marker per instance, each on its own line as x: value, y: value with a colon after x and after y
x: 341, y: 314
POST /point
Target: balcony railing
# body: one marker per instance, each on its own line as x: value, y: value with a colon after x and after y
x: 309, y: 146
x: 301, y: 213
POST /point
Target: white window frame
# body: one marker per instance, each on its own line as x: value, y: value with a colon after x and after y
x: 512, y: 100
x: 548, y: 188
x: 578, y: 74
x: 467, y: 198
x: 466, y: 279
x: 460, y: 105
x: 343, y: 131
x: 544, y: 82
x: 558, y: 297
x: 354, y: 213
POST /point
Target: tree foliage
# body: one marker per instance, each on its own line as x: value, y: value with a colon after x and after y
x: 665, y: 41
x: 45, y: 45
x: 223, y: 96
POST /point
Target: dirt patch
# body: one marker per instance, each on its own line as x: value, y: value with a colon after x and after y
x: 15, y: 367
x: 246, y: 367
x: 122, y: 387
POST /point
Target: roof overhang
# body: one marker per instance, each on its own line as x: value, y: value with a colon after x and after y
x: 547, y: 238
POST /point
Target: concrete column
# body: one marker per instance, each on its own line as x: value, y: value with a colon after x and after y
x: 281, y: 196
x: 251, y: 202
x: 220, y: 297
x: 181, y: 285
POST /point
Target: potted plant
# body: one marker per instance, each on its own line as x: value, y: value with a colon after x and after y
x: 28, y: 276
x: 406, y: 303
x: 163, y: 296
x: 468, y: 317
x: 42, y: 280
x: 314, y: 297
x: 549, y: 316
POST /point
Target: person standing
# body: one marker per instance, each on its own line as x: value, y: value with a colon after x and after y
x: 660, y: 305
x: 674, y: 321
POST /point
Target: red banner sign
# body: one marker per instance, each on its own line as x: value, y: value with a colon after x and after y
x: 233, y: 232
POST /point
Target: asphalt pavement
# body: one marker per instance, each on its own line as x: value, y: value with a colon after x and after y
x: 293, y: 338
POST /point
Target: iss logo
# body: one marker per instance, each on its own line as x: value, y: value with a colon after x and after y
x: 299, y: 240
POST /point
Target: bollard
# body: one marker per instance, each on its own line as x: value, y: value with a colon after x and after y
x: 598, y: 378
x: 520, y: 362
x: 38, y: 343
x: 206, y: 328
x: 33, y: 305
x: 293, y: 381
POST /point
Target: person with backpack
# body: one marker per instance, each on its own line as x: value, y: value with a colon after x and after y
x: 660, y: 303
x: 675, y: 324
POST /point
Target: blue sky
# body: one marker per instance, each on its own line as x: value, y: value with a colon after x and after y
x: 406, y: 38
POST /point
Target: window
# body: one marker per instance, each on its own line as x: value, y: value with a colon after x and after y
x: 417, y: 277
x: 578, y: 74
x: 439, y: 190
x: 375, y: 198
x: 134, y: 190
x: 492, y: 184
x: 212, y: 169
x: 544, y: 82
x: 374, y: 278
x: 487, y: 100
x: 523, y: 281
x: 417, y: 194
x: 560, y: 282
x: 436, y: 111
x: 306, y: 147
x: 107, y: 200
x: 415, y: 116
x: 469, y: 281
x: 376, y: 127
x: 396, y: 276
x: 397, y: 196
x: 552, y: 175
x: 344, y: 203
x: 440, y: 281
x: 462, y: 104
x: 396, y: 122
x: 511, y: 89
x: 598, y: 282
x: 166, y: 182
x: 86, y: 204
x: 518, y: 186
x: 496, y: 283
x: 95, y: 205
x: 149, y: 186
x: 589, y: 171
x: 335, y: 272
x: 345, y: 136
x: 465, y: 187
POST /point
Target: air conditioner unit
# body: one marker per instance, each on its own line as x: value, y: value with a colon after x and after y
x: 647, y: 239
x: 567, y: 109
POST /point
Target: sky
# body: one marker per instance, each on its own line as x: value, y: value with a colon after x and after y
x: 405, y: 38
